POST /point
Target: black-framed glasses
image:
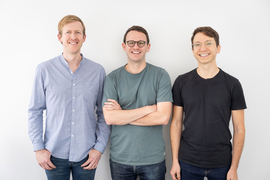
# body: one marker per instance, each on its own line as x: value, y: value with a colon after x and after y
x: 139, y: 43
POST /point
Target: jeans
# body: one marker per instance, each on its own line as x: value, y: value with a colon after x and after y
x: 189, y: 172
x: 146, y: 172
x: 64, y: 167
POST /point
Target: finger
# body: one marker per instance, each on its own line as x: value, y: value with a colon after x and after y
x: 111, y: 100
x: 51, y: 165
x: 86, y: 163
x: 178, y: 176
x: 46, y: 166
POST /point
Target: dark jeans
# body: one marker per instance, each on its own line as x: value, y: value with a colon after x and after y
x: 189, y: 172
x: 64, y: 167
x: 147, y: 172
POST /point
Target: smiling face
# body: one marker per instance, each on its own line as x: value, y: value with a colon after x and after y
x: 135, y: 53
x: 205, y: 49
x: 72, y: 37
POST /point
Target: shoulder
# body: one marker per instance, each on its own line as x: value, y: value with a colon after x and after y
x: 93, y: 64
x: 229, y: 78
x: 157, y: 71
x: 186, y: 76
x: 154, y: 68
x: 48, y: 63
x: 117, y: 72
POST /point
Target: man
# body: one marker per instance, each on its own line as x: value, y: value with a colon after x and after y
x: 69, y: 87
x: 208, y: 97
x: 137, y: 102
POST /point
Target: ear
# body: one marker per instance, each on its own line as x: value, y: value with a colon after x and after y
x: 84, y: 37
x: 148, y: 47
x: 218, y: 49
x: 124, y: 46
x: 59, y: 38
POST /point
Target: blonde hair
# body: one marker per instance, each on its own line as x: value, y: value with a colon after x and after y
x: 69, y: 19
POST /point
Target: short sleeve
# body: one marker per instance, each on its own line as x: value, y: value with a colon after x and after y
x: 176, y: 92
x: 164, y: 93
x: 238, y: 99
x: 109, y: 91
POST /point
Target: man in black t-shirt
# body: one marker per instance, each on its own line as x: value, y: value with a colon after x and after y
x: 207, y: 97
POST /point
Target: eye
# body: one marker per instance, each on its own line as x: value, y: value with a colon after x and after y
x: 141, y: 43
x: 197, y: 44
x: 131, y: 43
x: 209, y: 44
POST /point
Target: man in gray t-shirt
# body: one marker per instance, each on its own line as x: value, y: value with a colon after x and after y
x: 137, y: 102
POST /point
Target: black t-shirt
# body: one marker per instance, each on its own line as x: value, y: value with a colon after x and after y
x: 207, y: 105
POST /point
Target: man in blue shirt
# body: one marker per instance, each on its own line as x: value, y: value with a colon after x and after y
x: 69, y: 87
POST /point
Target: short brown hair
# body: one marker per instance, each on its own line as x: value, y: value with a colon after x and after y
x: 69, y: 19
x: 139, y: 29
x: 208, y: 31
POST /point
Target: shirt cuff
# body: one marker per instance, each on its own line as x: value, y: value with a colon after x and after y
x: 38, y: 146
x: 99, y: 147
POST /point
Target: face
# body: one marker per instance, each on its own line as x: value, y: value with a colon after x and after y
x: 72, y: 37
x: 205, y: 49
x: 136, y: 53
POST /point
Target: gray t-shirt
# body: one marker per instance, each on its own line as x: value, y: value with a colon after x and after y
x: 137, y: 145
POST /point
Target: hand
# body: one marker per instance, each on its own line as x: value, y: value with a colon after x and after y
x: 112, y: 104
x: 43, y: 159
x: 175, y: 171
x: 232, y: 175
x: 93, y: 159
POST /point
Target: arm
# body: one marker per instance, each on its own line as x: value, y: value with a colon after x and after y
x: 160, y: 117
x: 102, y: 129
x: 238, y: 142
x: 175, y: 132
x: 114, y: 115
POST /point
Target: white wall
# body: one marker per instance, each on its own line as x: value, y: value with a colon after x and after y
x: 28, y: 37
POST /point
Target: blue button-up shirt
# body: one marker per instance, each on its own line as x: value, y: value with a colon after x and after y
x: 74, y: 118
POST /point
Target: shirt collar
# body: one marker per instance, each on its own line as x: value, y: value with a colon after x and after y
x: 63, y: 60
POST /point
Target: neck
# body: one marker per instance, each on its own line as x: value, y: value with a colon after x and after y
x: 207, y: 72
x: 73, y: 60
x: 135, y: 67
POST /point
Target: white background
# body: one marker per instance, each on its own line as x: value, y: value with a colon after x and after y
x: 28, y: 35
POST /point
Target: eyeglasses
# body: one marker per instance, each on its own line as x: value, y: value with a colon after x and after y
x: 139, y: 43
x: 198, y: 45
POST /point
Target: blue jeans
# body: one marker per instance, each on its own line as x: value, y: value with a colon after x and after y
x: 147, y: 172
x: 64, y: 167
x: 189, y: 172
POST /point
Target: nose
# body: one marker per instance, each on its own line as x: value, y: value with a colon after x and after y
x: 136, y: 45
x: 73, y: 35
x: 203, y: 47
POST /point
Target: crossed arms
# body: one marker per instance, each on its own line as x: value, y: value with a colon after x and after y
x: 152, y: 115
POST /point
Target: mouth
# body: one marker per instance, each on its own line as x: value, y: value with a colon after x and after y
x: 135, y: 52
x: 73, y: 43
x: 204, y: 55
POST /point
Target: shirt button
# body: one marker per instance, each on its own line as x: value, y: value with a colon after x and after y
x: 73, y: 110
x: 71, y: 135
x: 73, y: 84
x: 73, y: 97
x: 73, y: 123
x: 71, y: 72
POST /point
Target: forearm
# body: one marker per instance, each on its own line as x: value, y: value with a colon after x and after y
x: 159, y: 117
x: 123, y: 117
x: 175, y: 134
x: 238, y: 144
